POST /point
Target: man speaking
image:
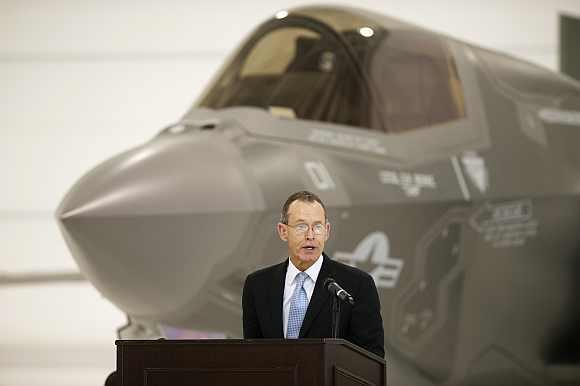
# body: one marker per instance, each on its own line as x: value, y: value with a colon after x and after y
x: 288, y: 300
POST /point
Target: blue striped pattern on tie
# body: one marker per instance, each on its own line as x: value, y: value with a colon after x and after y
x: 298, y: 305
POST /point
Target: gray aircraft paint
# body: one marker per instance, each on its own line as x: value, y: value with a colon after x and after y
x: 479, y: 263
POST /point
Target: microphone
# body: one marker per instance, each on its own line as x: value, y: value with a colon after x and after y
x: 334, y: 288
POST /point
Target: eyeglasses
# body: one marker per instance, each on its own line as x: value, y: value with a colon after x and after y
x: 302, y: 228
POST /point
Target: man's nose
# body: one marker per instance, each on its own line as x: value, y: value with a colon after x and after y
x: 310, y: 234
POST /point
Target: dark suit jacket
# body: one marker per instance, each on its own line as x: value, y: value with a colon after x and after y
x: 360, y: 324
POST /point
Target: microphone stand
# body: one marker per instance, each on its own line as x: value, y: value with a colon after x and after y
x: 336, y: 291
x: 335, y: 316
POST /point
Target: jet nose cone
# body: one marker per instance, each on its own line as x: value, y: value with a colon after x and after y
x: 160, y: 178
x: 148, y: 227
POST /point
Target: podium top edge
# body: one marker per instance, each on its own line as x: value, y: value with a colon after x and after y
x: 289, y: 342
x: 232, y: 341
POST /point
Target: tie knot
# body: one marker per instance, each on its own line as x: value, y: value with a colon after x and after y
x: 300, y: 278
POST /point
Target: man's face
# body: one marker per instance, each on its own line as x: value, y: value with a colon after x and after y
x: 304, y: 248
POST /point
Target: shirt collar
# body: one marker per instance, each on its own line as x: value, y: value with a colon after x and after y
x: 312, y: 271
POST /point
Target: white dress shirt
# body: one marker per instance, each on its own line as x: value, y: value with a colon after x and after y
x: 290, y: 284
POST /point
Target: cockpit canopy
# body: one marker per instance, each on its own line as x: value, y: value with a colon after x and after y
x: 344, y: 66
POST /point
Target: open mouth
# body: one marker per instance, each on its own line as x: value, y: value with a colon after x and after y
x: 309, y: 248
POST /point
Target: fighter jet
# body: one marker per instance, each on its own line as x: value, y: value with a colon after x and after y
x: 451, y: 174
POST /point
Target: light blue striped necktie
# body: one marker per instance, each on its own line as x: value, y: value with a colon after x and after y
x: 298, y: 305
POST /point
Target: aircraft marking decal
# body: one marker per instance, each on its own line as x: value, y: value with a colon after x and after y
x: 563, y: 117
x: 319, y: 175
x: 504, y: 225
x: 348, y: 141
x: 411, y: 183
x: 476, y: 170
x: 460, y: 178
x: 375, y: 248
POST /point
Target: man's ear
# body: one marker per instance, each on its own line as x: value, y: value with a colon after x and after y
x: 282, y: 231
x: 327, y: 231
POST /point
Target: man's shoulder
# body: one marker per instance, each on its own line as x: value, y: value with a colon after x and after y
x: 266, y: 271
x: 346, y: 269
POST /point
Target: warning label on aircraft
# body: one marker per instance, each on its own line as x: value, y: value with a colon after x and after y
x: 508, y: 224
x: 348, y: 141
x: 411, y: 183
x: 563, y: 117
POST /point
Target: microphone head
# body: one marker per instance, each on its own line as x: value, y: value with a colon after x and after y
x: 328, y: 281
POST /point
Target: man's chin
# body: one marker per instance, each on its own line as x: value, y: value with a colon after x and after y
x: 308, y: 257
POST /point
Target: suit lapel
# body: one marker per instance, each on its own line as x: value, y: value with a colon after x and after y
x: 277, y: 298
x: 319, y: 297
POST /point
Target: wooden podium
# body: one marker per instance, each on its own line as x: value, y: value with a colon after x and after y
x: 261, y: 362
